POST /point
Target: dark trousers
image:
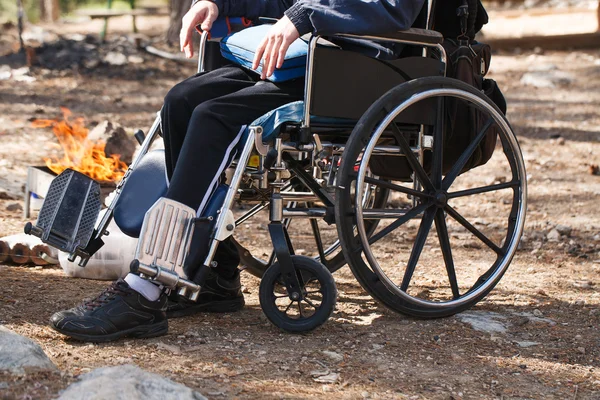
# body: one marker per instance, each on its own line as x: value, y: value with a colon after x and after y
x: 203, y: 119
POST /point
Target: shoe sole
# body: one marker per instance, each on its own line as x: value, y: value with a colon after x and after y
x: 142, y: 331
x: 223, y: 306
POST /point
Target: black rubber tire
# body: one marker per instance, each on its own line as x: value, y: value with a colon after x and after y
x: 346, y: 221
x: 307, y: 267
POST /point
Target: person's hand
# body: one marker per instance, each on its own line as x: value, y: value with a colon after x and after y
x: 274, y: 46
x: 203, y: 13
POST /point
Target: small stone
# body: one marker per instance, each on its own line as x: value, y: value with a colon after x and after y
x: 114, y: 58
x: 484, y: 321
x: 127, y: 382
x: 333, y: 356
x: 553, y: 236
x: 538, y: 313
x: 526, y: 344
x: 583, y: 284
x: 135, y: 59
x: 581, y: 350
x: 91, y: 63
x: 329, y: 378
x: 564, y: 230
x: 19, y: 354
x: 14, y: 207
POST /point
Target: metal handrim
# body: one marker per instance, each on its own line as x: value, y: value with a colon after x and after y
x: 363, y: 170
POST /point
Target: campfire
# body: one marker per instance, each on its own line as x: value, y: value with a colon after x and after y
x: 80, y: 153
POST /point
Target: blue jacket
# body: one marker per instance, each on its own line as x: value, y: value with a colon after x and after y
x: 326, y: 17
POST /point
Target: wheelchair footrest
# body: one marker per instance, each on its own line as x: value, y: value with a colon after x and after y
x: 164, y: 245
x: 68, y: 216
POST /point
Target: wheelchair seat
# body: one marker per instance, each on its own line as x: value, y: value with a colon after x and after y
x: 146, y: 184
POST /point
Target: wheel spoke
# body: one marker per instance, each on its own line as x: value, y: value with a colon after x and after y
x: 420, y: 173
x: 396, y: 224
x: 397, y: 188
x: 484, y: 189
x: 442, y: 232
x: 300, y: 309
x: 415, y: 254
x: 466, y: 155
x: 438, y: 145
x: 310, y: 303
x: 288, y: 307
x: 461, y: 220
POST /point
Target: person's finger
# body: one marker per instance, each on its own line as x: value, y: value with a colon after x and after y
x: 282, y: 52
x: 189, y: 50
x: 267, y: 57
x: 259, y: 53
x: 273, y: 55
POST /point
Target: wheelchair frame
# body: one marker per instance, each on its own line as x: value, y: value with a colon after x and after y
x: 287, y: 157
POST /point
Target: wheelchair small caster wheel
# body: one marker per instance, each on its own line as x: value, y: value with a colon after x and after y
x: 295, y: 312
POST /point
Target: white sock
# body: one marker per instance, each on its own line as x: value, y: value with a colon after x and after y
x: 146, y: 288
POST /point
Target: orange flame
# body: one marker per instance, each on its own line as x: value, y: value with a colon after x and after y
x: 81, y: 154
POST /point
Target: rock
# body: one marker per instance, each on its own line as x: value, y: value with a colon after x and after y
x: 534, y: 319
x: 135, y: 59
x: 484, y: 321
x: 333, y: 356
x: 19, y: 354
x: 114, y: 58
x: 14, y: 207
x: 526, y: 344
x: 5, y: 72
x: 553, y: 236
x: 329, y: 378
x: 547, y: 79
x: 564, y: 230
x: 126, y: 382
x: 117, y: 140
x: 581, y: 350
x: 538, y: 313
x: 583, y: 284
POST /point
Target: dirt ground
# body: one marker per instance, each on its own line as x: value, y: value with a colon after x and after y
x: 384, y: 355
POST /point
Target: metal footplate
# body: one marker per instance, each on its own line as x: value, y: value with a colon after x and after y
x: 68, y: 216
x: 164, y: 244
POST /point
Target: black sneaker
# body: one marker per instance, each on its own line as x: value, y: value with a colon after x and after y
x: 218, y: 295
x: 117, y: 312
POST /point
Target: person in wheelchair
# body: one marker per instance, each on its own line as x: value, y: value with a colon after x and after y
x: 202, y: 121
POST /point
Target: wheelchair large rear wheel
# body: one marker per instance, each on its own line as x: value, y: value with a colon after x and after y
x: 444, y: 243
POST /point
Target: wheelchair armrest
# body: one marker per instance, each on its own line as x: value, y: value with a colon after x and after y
x: 412, y: 35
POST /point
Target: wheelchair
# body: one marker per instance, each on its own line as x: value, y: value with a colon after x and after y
x: 359, y: 167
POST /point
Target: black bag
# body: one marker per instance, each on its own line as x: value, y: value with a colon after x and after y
x: 468, y: 61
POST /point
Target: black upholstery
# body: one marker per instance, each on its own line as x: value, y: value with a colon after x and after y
x: 146, y: 184
x: 412, y: 35
x: 345, y: 83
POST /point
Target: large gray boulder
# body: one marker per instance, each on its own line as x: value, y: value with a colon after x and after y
x: 19, y: 354
x: 127, y: 382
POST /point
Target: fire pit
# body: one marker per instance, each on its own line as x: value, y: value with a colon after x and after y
x: 83, y: 151
x: 38, y: 183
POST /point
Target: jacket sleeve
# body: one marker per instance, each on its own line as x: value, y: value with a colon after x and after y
x: 252, y: 9
x: 353, y: 16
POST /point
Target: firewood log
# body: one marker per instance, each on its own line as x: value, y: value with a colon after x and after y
x: 20, y: 247
x: 4, y: 252
x: 42, y: 254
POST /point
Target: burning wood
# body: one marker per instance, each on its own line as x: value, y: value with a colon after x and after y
x: 81, y: 154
